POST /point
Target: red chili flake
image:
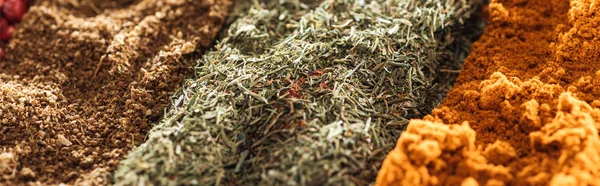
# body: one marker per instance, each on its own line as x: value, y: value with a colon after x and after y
x: 295, y: 94
x: 171, y: 177
x: 299, y: 82
x: 296, y: 88
x: 323, y: 85
x: 316, y: 73
x: 302, y: 123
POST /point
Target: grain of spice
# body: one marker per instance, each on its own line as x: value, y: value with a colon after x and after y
x: 82, y: 93
x: 525, y: 108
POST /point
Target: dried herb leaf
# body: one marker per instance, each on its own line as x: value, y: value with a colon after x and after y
x: 305, y: 93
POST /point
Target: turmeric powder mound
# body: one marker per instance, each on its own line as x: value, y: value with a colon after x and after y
x: 524, y: 110
x: 82, y: 80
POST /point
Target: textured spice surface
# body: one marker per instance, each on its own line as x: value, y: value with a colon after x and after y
x: 524, y: 109
x: 82, y: 80
x: 307, y: 92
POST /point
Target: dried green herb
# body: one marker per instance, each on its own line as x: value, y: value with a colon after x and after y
x: 305, y: 93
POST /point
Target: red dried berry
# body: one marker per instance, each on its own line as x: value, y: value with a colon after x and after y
x: 3, y: 23
x: 7, y: 33
x: 14, y: 10
x: 3, y: 26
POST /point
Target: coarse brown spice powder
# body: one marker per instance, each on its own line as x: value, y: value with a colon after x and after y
x: 525, y: 108
x: 82, y: 80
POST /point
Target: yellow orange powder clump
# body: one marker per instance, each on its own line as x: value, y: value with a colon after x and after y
x: 525, y: 110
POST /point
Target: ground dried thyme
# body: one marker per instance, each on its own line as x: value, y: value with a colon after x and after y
x: 82, y: 80
x: 305, y: 93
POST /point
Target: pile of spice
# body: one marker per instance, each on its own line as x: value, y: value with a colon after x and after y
x: 11, y: 13
x: 82, y: 80
x: 305, y: 93
x: 525, y: 109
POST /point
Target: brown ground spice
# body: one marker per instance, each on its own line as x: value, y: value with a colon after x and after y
x: 525, y: 108
x: 82, y: 80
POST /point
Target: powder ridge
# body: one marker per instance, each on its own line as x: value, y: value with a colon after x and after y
x: 524, y: 110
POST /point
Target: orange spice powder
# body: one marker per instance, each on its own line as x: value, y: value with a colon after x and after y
x: 524, y: 110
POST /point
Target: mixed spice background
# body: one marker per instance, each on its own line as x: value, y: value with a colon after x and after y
x: 299, y: 92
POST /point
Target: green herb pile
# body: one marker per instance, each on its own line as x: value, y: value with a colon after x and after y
x: 306, y: 93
